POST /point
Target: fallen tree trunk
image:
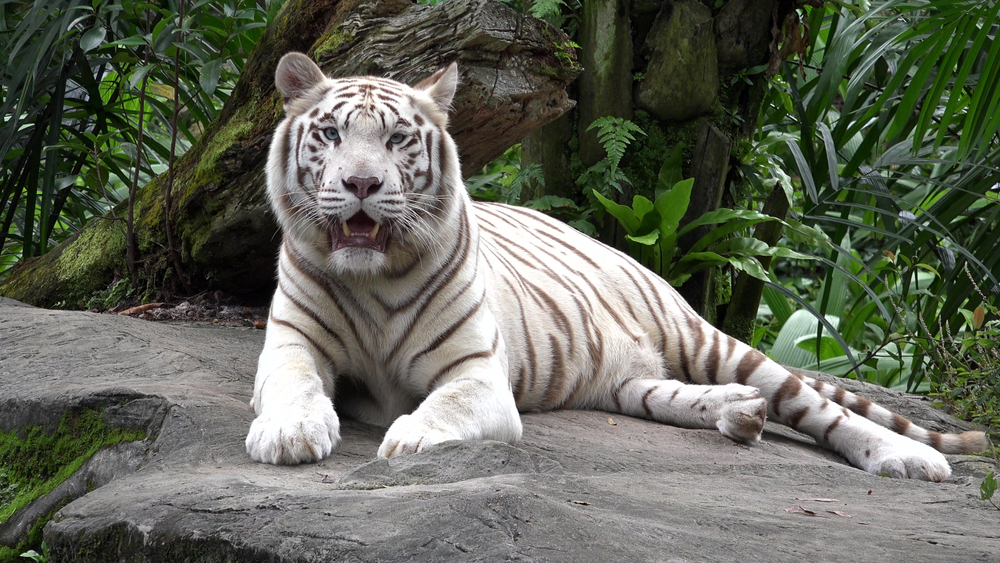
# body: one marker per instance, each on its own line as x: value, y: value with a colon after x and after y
x: 514, y: 73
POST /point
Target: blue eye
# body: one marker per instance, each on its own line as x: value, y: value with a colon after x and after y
x: 331, y: 133
x: 396, y: 138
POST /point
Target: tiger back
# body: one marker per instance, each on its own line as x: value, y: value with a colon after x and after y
x: 441, y: 318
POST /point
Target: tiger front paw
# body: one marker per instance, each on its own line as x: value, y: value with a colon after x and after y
x: 409, y: 435
x: 743, y: 414
x: 290, y: 438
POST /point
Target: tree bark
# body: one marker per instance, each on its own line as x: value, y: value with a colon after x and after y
x: 514, y: 73
x: 741, y: 314
x: 606, y: 86
x: 709, y: 168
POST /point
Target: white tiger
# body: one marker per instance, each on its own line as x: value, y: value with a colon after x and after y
x: 441, y: 318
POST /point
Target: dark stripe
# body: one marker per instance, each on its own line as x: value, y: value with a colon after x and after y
x: 684, y: 364
x: 899, y: 424
x: 468, y: 357
x: 861, y: 406
x: 653, y: 310
x: 748, y: 365
x: 506, y: 213
x: 552, y: 307
x: 455, y: 261
x: 645, y: 402
x: 788, y: 390
x: 306, y: 309
x: 834, y: 424
x: 557, y: 379
x: 320, y: 280
x: 712, y: 362
x: 448, y: 332
x: 618, y: 390
x: 543, y: 268
x: 519, y: 388
x: 934, y: 439
x: 595, y: 347
x: 312, y: 342
x: 839, y: 395
x: 796, y: 417
x: 529, y: 341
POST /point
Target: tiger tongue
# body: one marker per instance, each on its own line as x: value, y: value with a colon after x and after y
x: 360, y: 231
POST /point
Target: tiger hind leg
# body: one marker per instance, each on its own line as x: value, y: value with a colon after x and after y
x: 737, y: 411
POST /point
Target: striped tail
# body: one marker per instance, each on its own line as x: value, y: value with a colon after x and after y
x: 966, y: 442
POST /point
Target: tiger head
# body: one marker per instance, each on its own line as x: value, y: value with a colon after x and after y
x: 362, y: 169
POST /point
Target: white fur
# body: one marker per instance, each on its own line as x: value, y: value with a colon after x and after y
x: 536, y: 316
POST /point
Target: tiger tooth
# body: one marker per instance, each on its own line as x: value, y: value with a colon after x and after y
x: 374, y: 231
x: 347, y: 231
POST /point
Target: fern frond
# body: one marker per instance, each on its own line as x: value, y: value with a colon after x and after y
x: 544, y: 9
x: 615, y: 134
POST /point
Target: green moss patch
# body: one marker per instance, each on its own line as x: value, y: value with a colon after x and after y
x: 35, y: 460
x: 66, y: 277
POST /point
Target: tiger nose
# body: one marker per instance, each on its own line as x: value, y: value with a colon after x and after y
x: 361, y: 187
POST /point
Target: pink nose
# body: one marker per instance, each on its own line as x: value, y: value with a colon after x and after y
x: 361, y: 187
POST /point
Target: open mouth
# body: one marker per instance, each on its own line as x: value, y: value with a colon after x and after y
x: 360, y: 231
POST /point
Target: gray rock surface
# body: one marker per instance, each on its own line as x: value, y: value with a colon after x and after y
x: 581, y: 486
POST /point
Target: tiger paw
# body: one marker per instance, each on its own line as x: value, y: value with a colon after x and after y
x: 409, y: 435
x: 743, y: 414
x: 903, y: 458
x: 289, y: 439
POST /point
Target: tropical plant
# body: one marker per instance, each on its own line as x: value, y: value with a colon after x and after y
x: 98, y: 97
x: 891, y: 129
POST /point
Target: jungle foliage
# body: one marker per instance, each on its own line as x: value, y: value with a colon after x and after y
x: 99, y: 97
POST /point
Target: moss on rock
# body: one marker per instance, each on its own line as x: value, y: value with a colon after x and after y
x: 35, y: 460
x: 331, y: 43
x: 66, y: 277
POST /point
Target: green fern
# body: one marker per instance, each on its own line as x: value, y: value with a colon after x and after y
x: 615, y: 134
x: 544, y: 9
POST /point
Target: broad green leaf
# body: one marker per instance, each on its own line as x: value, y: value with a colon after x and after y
x: 210, y: 75
x: 647, y: 239
x: 742, y: 246
x: 801, y: 324
x: 824, y: 348
x: 830, y: 148
x: 670, y: 173
x: 840, y: 366
x: 780, y: 307
x: 92, y: 38
x: 625, y: 215
x: 672, y: 204
x: 549, y: 202
x: 988, y: 487
x: 641, y: 206
x: 748, y: 264
x: 745, y: 217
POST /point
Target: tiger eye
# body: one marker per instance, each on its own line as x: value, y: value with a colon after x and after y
x: 396, y: 138
x: 331, y: 133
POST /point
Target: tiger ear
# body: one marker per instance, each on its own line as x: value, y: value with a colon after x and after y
x: 441, y: 86
x: 296, y: 74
